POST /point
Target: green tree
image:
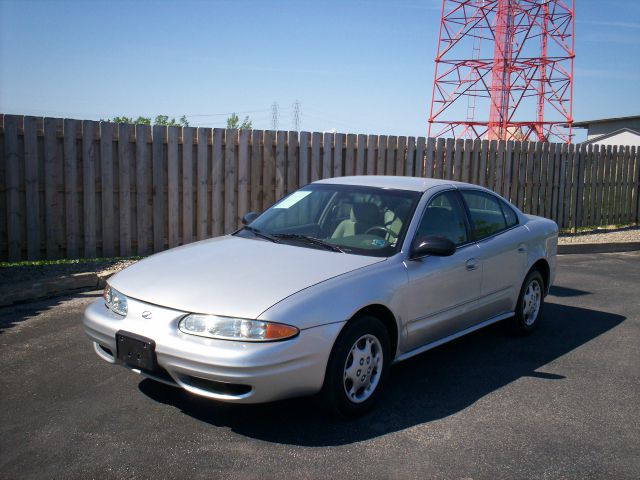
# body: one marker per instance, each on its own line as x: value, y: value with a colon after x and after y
x: 159, y: 120
x: 234, y: 122
x: 123, y: 119
x: 164, y: 120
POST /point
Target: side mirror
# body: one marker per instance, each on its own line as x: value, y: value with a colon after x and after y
x: 249, y: 217
x: 432, y: 245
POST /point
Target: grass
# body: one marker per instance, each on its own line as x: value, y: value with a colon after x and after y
x: 40, y: 263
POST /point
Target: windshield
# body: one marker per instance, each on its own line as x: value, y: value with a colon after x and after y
x: 345, y: 218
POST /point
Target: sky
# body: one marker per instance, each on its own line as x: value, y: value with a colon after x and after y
x: 357, y: 66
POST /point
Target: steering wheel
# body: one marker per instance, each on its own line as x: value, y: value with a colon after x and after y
x: 385, y: 231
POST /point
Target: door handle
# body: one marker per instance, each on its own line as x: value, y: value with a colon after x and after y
x: 522, y: 248
x: 472, y: 264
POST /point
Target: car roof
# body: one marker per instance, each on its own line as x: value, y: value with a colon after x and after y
x: 416, y: 184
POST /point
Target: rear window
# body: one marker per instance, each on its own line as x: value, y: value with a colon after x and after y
x: 509, y: 215
x: 486, y: 213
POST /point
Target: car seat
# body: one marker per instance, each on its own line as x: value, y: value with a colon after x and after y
x: 363, y: 216
x: 393, y: 219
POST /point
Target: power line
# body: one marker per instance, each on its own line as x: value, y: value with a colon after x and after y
x: 225, y: 113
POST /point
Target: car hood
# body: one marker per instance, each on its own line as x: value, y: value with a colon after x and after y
x: 231, y: 276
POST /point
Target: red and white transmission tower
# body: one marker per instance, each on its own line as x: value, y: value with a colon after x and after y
x: 510, y: 61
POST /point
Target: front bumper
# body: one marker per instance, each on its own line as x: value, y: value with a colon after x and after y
x: 266, y: 371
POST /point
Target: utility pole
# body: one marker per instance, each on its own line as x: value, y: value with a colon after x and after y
x: 296, y: 115
x: 275, y: 115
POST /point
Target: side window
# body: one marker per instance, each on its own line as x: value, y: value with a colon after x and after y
x: 509, y: 215
x: 486, y: 213
x: 444, y: 217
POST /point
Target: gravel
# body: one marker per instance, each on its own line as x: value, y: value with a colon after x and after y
x: 623, y: 235
x: 33, y: 273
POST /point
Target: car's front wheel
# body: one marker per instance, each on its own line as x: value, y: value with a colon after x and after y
x: 530, y: 303
x: 357, y: 366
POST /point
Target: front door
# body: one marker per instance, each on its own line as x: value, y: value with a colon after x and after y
x: 443, y: 291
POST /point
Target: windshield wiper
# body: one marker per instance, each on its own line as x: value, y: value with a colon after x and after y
x: 310, y: 240
x: 261, y: 234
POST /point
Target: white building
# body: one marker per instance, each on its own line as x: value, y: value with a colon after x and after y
x: 612, y: 131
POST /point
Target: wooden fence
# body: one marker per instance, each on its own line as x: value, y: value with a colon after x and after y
x: 72, y: 188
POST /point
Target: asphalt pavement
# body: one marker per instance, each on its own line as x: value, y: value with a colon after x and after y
x: 561, y: 403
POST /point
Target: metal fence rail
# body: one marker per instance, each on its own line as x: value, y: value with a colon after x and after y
x: 79, y: 188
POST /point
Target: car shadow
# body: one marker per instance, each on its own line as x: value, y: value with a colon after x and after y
x: 559, y: 291
x: 428, y: 387
x: 13, y: 315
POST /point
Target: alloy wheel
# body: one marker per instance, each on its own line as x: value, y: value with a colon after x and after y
x: 363, y: 368
x: 531, y: 302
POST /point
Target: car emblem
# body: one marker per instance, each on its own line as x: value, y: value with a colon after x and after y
x: 147, y: 314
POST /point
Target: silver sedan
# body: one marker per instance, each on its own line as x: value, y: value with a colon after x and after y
x: 326, y: 289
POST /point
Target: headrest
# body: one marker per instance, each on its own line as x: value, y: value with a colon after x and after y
x: 366, y: 213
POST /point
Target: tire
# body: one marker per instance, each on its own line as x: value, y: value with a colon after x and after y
x: 530, y: 303
x: 364, y: 340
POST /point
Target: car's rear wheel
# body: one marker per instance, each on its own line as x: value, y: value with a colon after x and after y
x: 530, y: 303
x: 357, y: 367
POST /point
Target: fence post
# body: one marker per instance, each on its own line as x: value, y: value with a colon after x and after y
x: 293, y: 158
x: 281, y: 165
x: 391, y: 159
x: 449, y: 155
x: 52, y: 180
x: 106, y: 189
x: 158, y: 176
x: 143, y: 171
x: 31, y: 186
x: 545, y: 190
x: 410, y: 159
x: 218, y: 150
x: 303, y: 173
x: 256, y: 166
x: 635, y: 152
x: 12, y: 180
x: 338, y: 156
x: 350, y: 155
x: 515, y: 172
x: 382, y: 155
x: 218, y: 153
x: 569, y: 185
x: 430, y: 158
x: 361, y: 154
x: 626, y: 197
x: 187, y: 184
x: 231, y: 176
x: 124, y: 188
x: 218, y: 147
x: 579, y: 185
x: 400, y: 156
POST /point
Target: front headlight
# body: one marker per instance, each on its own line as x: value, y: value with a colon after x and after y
x: 115, y: 301
x: 226, y: 328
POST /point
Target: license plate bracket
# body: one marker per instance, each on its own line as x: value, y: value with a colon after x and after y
x: 136, y: 351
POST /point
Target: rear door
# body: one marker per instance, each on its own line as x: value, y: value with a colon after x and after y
x: 443, y: 291
x: 501, y: 249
